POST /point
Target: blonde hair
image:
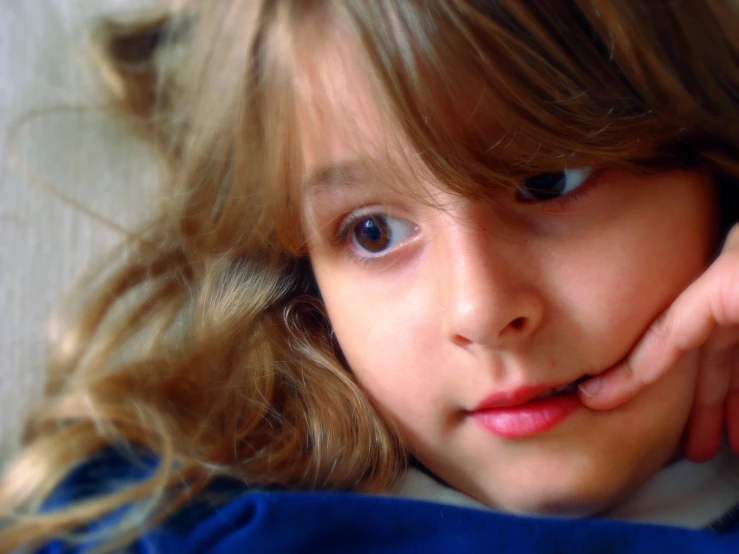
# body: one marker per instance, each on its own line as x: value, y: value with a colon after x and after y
x: 208, y: 345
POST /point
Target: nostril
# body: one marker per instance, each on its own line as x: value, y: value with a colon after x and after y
x: 518, y: 323
x: 461, y: 341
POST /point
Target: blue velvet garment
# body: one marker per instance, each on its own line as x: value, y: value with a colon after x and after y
x: 303, y: 522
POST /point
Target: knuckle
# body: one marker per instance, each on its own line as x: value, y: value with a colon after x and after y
x: 732, y: 238
x: 726, y: 307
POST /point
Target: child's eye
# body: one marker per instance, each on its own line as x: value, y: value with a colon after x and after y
x: 377, y: 233
x: 549, y: 186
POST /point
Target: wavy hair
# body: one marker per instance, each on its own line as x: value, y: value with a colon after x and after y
x: 203, y: 340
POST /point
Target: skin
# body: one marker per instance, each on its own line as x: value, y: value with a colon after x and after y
x: 471, y: 299
x: 703, y: 321
x: 428, y: 329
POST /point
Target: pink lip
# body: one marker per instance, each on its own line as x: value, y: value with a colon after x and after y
x: 515, y: 414
x: 514, y: 397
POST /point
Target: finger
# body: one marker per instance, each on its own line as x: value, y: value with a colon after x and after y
x: 685, y: 326
x: 712, y: 385
x: 704, y: 434
x: 732, y: 407
x: 651, y: 357
x: 732, y: 239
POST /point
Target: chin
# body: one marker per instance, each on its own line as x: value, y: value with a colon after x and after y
x: 570, y: 504
x: 582, y: 483
x: 572, y: 494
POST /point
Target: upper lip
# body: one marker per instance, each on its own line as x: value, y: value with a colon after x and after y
x: 516, y: 397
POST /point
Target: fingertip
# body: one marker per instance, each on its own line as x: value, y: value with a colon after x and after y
x: 593, y: 402
x: 732, y: 422
x: 701, y: 448
x: 700, y: 453
x: 598, y: 394
x: 734, y: 443
x: 732, y: 434
x: 591, y: 387
x: 704, y: 436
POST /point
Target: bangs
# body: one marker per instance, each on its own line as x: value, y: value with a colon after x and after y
x: 476, y: 96
x: 488, y: 98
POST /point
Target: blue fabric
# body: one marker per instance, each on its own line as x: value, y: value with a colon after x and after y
x: 302, y: 522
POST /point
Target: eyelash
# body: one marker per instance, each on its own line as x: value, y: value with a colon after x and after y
x: 577, y: 195
x: 346, y: 224
x: 354, y: 257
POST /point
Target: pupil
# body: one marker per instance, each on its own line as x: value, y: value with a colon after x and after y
x: 373, y: 234
x: 546, y: 186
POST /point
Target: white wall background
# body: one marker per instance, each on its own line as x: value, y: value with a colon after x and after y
x: 44, y: 242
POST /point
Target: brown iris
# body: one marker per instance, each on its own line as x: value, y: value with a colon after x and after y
x: 373, y: 234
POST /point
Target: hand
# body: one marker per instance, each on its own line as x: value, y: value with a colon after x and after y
x: 705, y: 317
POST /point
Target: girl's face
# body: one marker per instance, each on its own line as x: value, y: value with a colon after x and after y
x: 460, y: 319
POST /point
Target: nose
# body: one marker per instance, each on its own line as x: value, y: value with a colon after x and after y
x: 489, y: 295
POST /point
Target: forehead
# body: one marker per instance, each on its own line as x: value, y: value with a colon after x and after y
x: 338, y: 115
x: 348, y: 139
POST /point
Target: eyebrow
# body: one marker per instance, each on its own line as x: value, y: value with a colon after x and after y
x: 328, y: 178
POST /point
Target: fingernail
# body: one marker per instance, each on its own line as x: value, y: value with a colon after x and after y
x: 591, y: 387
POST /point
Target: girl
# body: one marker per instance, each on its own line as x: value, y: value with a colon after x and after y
x: 458, y: 234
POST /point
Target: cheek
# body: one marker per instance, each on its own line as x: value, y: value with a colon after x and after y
x: 617, y: 284
x: 671, y: 398
x: 386, y: 345
x: 651, y: 425
x: 366, y: 328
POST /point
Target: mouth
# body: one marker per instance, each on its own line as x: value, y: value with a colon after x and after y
x: 530, y: 394
x: 528, y: 411
x: 562, y: 390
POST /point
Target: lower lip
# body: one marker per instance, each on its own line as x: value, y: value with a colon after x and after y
x: 527, y: 419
